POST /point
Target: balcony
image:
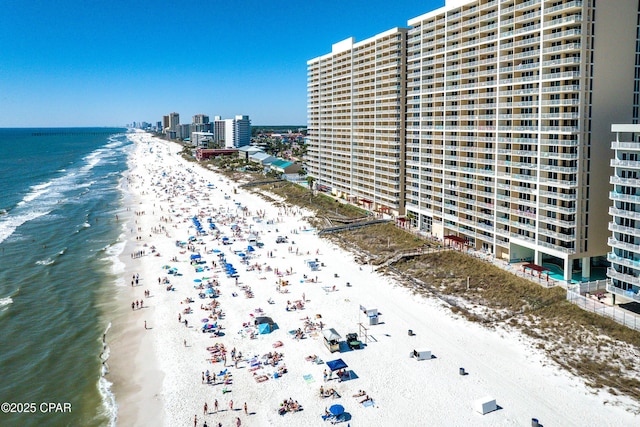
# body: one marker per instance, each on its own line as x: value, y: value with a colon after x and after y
x: 624, y: 181
x: 626, y: 294
x: 625, y: 163
x: 615, y: 212
x: 615, y: 243
x: 615, y: 196
x: 627, y: 262
x: 625, y: 230
x: 626, y: 278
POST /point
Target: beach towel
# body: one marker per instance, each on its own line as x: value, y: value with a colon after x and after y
x: 308, y: 378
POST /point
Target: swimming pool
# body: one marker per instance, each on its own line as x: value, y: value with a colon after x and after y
x: 557, y: 273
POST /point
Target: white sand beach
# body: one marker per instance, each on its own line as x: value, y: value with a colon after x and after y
x: 157, y: 372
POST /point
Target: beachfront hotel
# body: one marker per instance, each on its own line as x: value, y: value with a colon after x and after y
x: 624, y: 256
x: 356, y: 106
x: 504, y: 125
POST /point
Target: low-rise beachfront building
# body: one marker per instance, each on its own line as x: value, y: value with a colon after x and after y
x: 262, y: 158
x: 507, y: 103
x: 207, y: 153
x: 624, y: 273
x: 246, y: 151
x: 202, y: 139
x: 285, y: 167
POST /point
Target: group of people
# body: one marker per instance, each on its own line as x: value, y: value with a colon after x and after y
x: 289, y: 406
x: 330, y: 392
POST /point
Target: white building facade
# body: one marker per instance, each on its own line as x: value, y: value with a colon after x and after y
x: 624, y: 256
x: 237, y: 132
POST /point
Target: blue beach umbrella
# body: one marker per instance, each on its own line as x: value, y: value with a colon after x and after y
x: 336, y: 409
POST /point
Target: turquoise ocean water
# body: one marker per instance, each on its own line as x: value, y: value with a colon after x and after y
x: 60, y: 192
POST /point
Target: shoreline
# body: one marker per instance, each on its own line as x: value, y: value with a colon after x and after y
x: 157, y: 378
x: 134, y: 372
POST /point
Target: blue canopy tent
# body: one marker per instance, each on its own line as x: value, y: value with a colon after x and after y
x: 334, y: 365
x: 264, y: 328
x: 265, y: 325
x: 195, y: 256
x: 250, y: 248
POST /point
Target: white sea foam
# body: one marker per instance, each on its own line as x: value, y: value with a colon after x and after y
x: 117, y: 266
x: 10, y: 222
x: 86, y: 225
x: 109, y: 404
x: 47, y: 261
x: 44, y: 197
x: 5, y: 302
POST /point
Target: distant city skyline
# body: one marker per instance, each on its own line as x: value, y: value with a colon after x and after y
x: 78, y: 63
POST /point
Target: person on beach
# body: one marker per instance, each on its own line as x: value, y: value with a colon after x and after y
x: 205, y: 408
x: 245, y: 409
x: 238, y: 422
x: 145, y: 324
x: 231, y: 405
x: 215, y: 405
x: 195, y: 421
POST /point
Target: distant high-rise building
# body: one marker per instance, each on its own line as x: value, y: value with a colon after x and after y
x: 232, y: 133
x: 200, y: 119
x: 183, y: 131
x: 165, y: 123
x: 174, y: 121
x: 237, y: 132
x: 218, y: 130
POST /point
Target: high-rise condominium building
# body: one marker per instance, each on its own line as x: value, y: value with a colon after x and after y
x: 174, y: 121
x: 625, y: 211
x: 505, y: 113
x: 237, y: 132
x: 200, y: 119
x: 356, y: 110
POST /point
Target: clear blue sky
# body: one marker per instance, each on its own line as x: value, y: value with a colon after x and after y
x: 111, y: 62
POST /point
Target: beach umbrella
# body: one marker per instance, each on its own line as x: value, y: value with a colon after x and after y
x: 216, y: 251
x: 336, y: 409
x: 197, y: 280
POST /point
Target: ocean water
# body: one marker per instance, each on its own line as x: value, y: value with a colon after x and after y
x: 59, y: 242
